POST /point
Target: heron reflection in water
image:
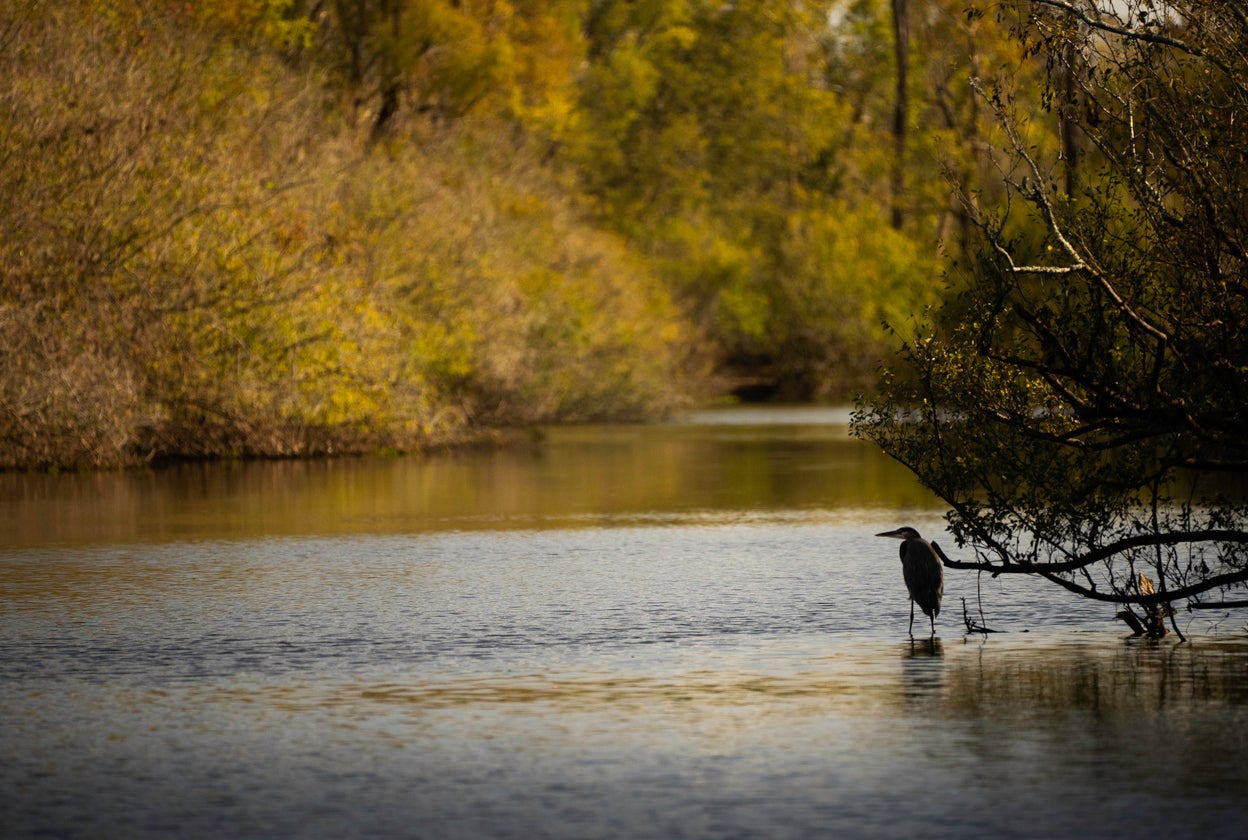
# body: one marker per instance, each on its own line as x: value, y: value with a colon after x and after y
x: 923, y: 573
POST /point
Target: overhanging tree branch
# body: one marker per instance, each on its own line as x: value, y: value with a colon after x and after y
x: 1103, y: 553
x: 1078, y: 402
x: 1169, y: 597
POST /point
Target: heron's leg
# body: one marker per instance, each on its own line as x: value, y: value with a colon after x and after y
x: 912, y: 618
x: 932, y: 619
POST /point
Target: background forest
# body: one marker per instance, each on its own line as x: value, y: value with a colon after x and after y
x: 279, y: 227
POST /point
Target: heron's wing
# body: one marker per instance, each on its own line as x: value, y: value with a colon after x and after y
x: 924, y: 576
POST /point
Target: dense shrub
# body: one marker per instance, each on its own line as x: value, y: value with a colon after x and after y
x: 202, y: 255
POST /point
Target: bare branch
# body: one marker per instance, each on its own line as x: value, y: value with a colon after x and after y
x: 1038, y: 195
x: 1037, y: 269
x: 1101, y: 25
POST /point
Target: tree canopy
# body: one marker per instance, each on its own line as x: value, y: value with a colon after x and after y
x: 1078, y: 398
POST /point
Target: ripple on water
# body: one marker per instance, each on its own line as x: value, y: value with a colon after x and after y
x: 738, y: 679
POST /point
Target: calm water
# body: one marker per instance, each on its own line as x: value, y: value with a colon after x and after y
x: 674, y: 631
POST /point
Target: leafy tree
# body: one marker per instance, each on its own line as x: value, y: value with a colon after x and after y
x: 425, y: 55
x: 729, y: 142
x: 1079, y: 403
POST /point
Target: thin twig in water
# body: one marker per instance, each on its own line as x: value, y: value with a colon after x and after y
x: 973, y: 626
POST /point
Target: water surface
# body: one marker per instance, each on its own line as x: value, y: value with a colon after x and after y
x: 683, y: 630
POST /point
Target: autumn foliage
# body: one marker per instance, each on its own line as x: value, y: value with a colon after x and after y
x: 272, y: 227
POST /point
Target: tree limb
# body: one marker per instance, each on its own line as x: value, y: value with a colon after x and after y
x: 1103, y: 553
x: 1100, y: 24
x: 1168, y: 597
x: 1042, y: 203
x: 1229, y: 605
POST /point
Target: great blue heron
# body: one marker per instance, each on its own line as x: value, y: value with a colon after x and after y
x: 921, y: 569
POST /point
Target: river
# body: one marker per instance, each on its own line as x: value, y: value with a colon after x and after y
x: 677, y: 630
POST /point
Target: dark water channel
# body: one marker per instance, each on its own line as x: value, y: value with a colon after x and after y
x: 683, y: 630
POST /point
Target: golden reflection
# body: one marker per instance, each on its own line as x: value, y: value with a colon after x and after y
x: 118, y: 580
x: 695, y: 692
x: 1102, y: 675
x: 571, y: 477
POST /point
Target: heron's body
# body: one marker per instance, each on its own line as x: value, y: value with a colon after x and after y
x: 923, y: 573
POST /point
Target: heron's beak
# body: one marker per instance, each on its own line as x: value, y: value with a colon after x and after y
x: 889, y: 534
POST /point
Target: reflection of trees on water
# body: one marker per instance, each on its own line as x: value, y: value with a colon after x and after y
x: 1133, y: 677
x: 562, y: 477
x: 1159, y: 708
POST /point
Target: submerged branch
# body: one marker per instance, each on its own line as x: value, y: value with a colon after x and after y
x: 973, y: 626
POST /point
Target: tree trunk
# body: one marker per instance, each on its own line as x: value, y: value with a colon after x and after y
x: 901, y: 32
x: 391, y: 71
x: 1069, y: 126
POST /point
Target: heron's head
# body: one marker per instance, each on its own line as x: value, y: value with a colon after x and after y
x: 903, y: 533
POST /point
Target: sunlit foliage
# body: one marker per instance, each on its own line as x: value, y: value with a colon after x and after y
x: 198, y: 259
x: 716, y: 140
x: 270, y: 227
